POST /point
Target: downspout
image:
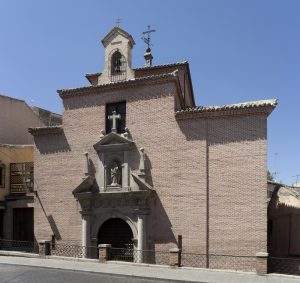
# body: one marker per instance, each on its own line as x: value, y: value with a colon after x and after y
x: 207, y: 192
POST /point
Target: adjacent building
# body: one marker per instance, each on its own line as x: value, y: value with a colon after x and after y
x: 17, y: 167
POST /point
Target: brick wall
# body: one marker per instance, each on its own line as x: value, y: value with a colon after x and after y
x: 178, y: 152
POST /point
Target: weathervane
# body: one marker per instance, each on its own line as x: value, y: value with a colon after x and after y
x: 147, y: 39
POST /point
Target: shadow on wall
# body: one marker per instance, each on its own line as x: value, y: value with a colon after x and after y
x: 283, y: 227
x: 224, y: 130
x: 47, y: 144
x: 54, y: 227
x: 161, y: 226
x: 100, y: 97
x: 135, y: 158
x: 50, y: 219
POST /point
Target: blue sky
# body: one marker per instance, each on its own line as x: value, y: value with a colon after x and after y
x: 238, y: 51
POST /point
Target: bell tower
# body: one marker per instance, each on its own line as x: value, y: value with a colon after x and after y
x: 118, y: 46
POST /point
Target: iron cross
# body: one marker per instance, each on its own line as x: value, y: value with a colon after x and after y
x: 118, y: 22
x: 146, y: 36
x: 114, y: 117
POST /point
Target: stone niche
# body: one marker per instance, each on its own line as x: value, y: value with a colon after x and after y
x: 114, y: 171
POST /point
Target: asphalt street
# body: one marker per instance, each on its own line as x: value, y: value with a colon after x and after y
x: 27, y: 274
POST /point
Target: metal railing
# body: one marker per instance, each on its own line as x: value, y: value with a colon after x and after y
x: 284, y: 265
x: 74, y: 250
x: 19, y: 246
x: 232, y: 262
x: 144, y: 256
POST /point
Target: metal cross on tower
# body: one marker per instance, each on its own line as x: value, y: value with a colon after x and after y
x: 118, y: 22
x: 114, y: 117
x: 146, y: 36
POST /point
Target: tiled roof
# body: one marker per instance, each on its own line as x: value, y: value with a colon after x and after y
x: 271, y: 103
x: 63, y: 92
x: 147, y: 67
x: 162, y: 65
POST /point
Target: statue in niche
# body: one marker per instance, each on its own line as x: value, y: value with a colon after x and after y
x: 115, y: 174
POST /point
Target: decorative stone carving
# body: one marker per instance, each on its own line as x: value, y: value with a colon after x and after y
x: 142, y: 167
x: 115, y: 174
x: 86, y: 167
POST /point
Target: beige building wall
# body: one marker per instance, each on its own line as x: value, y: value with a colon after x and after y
x: 15, y: 119
x: 13, y: 154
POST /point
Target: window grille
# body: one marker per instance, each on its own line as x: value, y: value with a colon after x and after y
x: 21, y: 177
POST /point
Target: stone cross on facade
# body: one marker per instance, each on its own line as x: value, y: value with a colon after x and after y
x: 114, y: 117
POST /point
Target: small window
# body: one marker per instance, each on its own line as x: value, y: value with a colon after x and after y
x: 119, y: 108
x: 2, y: 175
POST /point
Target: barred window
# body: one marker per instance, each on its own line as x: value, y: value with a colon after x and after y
x: 21, y: 177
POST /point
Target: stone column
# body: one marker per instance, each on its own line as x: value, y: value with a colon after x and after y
x: 85, y: 233
x: 141, y: 237
x: 262, y: 263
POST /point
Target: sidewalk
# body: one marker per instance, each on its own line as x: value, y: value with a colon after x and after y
x: 147, y: 271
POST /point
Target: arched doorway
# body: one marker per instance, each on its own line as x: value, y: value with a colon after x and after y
x: 117, y: 232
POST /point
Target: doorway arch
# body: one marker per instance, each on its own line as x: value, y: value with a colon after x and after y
x: 117, y: 232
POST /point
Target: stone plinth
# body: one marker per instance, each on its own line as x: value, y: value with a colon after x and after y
x: 261, y: 263
x: 175, y: 257
x: 44, y: 248
x: 104, y: 250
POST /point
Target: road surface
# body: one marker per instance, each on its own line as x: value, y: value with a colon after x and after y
x: 27, y: 274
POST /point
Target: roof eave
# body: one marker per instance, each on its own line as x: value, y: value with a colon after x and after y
x: 63, y: 93
x: 265, y: 110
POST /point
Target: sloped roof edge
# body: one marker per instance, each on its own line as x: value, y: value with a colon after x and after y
x: 120, y: 31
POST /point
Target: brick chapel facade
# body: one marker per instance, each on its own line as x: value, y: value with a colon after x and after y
x: 137, y: 162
